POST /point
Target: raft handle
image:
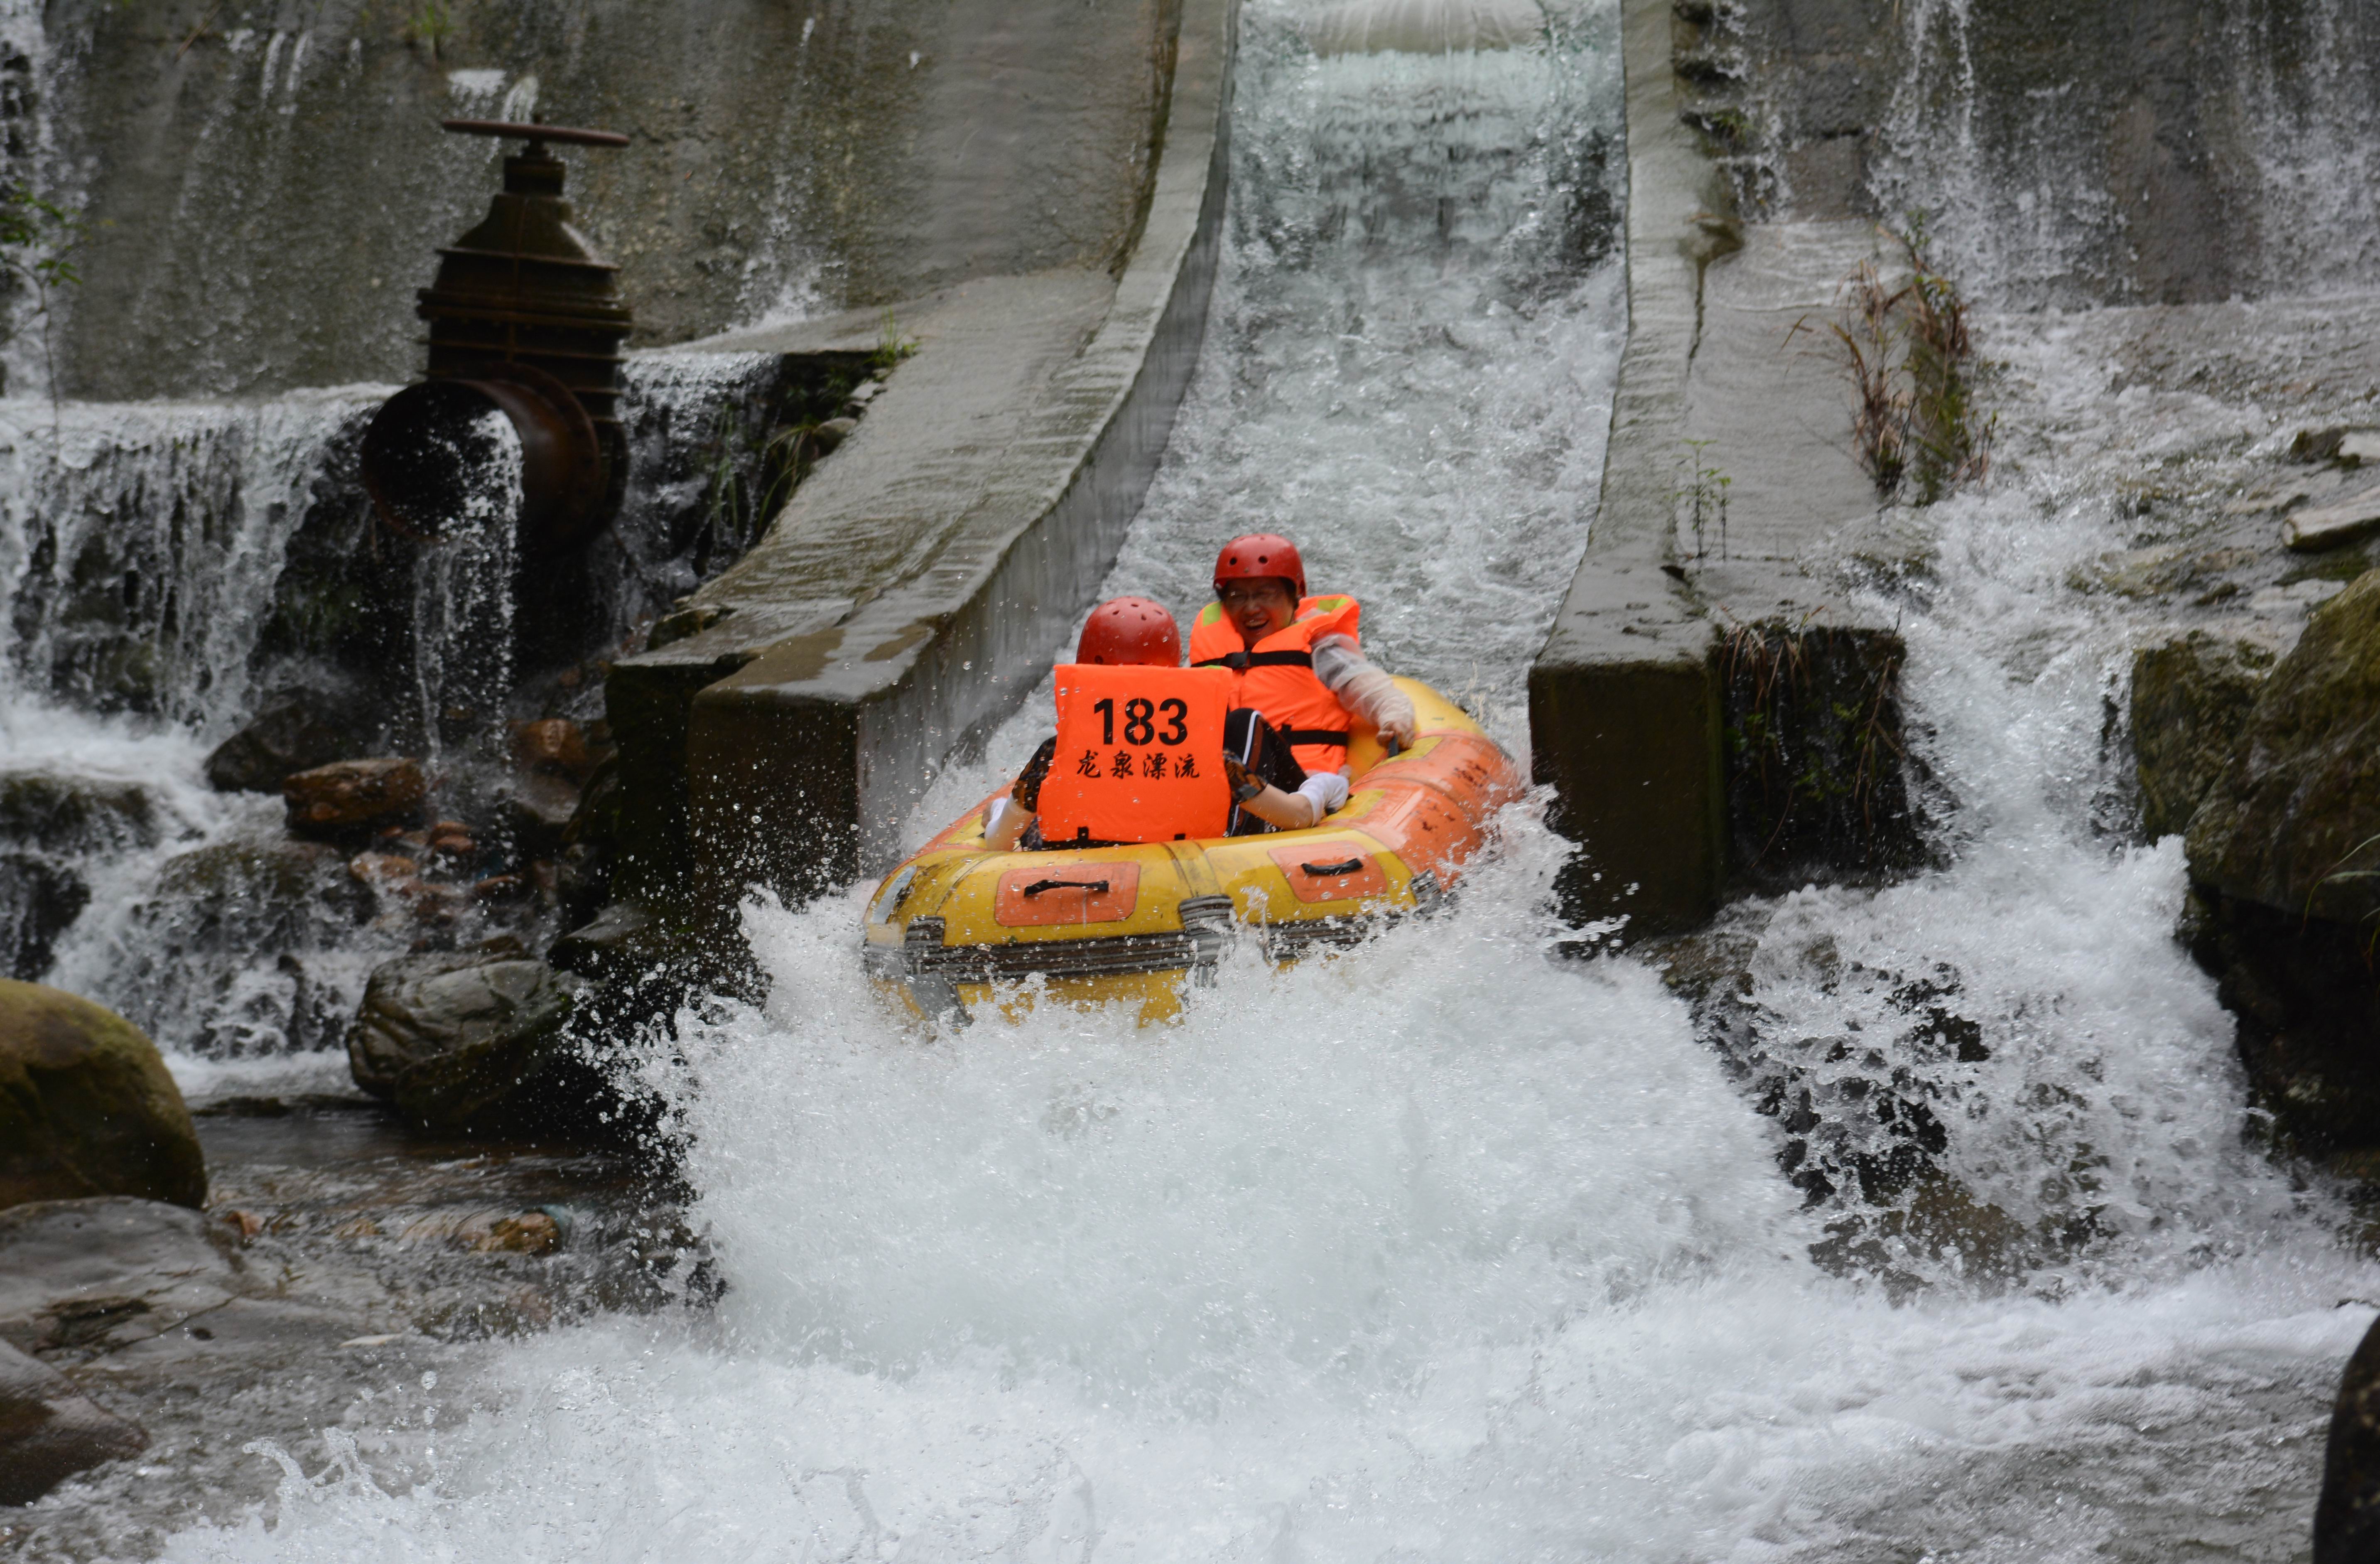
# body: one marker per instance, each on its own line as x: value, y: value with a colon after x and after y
x: 1096, y: 887
x: 1324, y: 871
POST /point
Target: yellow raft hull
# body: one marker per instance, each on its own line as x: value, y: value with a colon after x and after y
x: 958, y: 927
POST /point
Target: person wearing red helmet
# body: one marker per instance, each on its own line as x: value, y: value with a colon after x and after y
x: 1297, y: 658
x: 1254, y: 765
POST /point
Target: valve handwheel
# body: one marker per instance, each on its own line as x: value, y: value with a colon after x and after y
x: 535, y: 132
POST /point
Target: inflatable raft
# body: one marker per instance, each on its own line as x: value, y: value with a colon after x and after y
x: 959, y: 927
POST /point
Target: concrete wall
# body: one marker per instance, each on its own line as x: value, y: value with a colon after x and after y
x: 266, y: 183
x: 916, y: 585
x: 2152, y: 151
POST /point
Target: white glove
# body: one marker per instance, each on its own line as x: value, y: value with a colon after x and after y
x: 1327, y: 790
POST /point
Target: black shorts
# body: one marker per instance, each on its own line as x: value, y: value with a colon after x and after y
x: 1247, y: 738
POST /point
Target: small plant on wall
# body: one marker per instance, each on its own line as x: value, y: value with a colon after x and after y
x: 1905, y: 347
x: 1703, y: 493
x: 434, y: 25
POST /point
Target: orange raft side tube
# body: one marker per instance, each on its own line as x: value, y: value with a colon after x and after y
x: 959, y: 925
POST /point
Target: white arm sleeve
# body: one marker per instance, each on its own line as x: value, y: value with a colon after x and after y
x: 1367, y: 693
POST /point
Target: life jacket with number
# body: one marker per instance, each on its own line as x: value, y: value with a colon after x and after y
x: 1276, y: 675
x: 1139, y: 756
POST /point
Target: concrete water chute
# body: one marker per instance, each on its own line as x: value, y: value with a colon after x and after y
x: 526, y: 323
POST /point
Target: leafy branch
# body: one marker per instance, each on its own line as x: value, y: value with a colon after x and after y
x: 38, y: 238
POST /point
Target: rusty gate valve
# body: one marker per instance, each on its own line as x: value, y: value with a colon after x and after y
x: 525, y: 321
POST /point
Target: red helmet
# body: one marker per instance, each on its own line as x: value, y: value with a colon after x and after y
x: 1125, y: 631
x: 1260, y: 554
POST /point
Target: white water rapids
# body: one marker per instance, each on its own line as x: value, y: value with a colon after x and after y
x: 1448, y: 1248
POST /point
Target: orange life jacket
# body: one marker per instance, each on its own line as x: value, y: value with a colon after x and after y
x: 1276, y: 675
x: 1139, y: 756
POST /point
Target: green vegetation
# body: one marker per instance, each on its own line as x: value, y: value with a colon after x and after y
x: 37, y: 244
x: 1706, y: 492
x: 1813, y: 754
x: 433, y: 24
x: 1910, y: 357
x: 890, y: 345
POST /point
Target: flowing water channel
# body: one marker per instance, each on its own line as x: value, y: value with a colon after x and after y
x: 1459, y: 1247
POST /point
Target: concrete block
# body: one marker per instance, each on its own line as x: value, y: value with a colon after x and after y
x: 1649, y: 712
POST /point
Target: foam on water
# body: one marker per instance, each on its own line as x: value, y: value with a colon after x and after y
x: 1443, y: 1250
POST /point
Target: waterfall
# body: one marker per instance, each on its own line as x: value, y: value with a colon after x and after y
x: 2233, y: 155
x: 1897, y: 1222
x: 164, y: 566
x: 463, y: 603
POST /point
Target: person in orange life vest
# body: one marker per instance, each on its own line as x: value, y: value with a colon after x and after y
x: 1126, y: 632
x: 1297, y: 660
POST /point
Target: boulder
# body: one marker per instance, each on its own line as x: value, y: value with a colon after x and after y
x: 2317, y: 528
x: 245, y: 895
x: 351, y: 796
x: 39, y: 900
x: 49, y: 1430
x: 87, y: 1107
x: 2285, y: 863
x: 541, y: 807
x: 473, y: 1040
x: 556, y: 746
x: 297, y: 730
x: 2294, y: 821
x: 2191, y: 701
x: 74, y: 813
x: 50, y: 825
x: 2308, y: 1014
x: 2346, y: 1516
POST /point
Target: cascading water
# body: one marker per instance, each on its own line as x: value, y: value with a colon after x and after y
x: 2235, y: 155
x: 163, y: 566
x: 463, y: 593
x: 1452, y: 1247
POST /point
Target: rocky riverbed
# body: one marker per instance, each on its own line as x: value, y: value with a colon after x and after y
x: 343, y: 1265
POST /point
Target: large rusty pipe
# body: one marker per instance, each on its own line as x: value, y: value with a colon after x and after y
x: 429, y: 449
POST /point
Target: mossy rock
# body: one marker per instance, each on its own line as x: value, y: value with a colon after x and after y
x: 2294, y: 823
x: 87, y: 1107
x: 77, y: 814
x: 473, y: 1041
x: 247, y: 895
x: 2192, y: 700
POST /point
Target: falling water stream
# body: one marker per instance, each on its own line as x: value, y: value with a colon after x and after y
x: 1455, y: 1246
